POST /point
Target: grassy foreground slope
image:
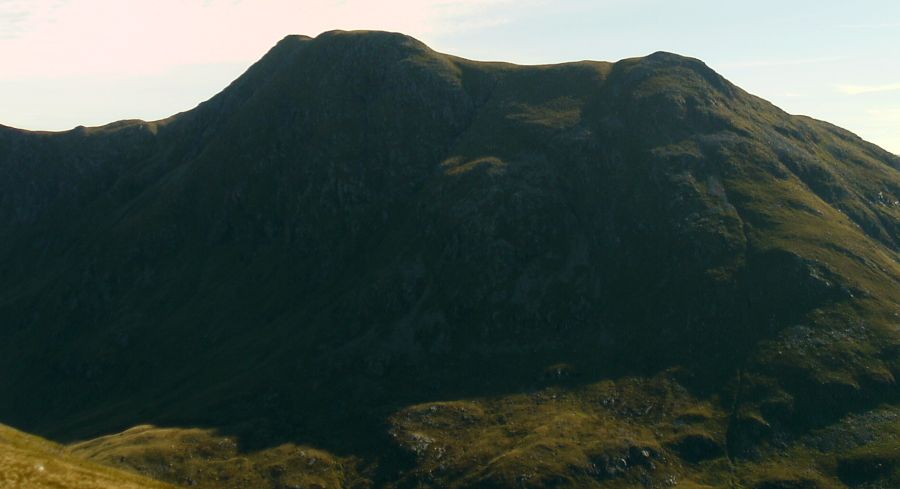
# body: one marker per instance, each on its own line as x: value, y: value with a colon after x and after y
x: 441, y: 272
x: 206, y: 460
x: 30, y: 462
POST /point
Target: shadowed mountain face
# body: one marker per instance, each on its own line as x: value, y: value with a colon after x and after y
x: 359, y: 227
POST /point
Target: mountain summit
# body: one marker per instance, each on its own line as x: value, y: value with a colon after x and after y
x: 450, y: 273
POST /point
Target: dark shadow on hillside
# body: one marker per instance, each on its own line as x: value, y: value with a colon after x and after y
x: 284, y: 398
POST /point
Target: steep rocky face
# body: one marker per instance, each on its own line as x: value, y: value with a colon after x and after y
x: 359, y: 226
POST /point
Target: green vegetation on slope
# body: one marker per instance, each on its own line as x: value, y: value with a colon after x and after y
x: 200, y: 458
x: 30, y: 462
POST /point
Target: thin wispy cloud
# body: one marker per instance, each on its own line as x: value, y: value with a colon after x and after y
x: 11, y: 24
x: 17, y: 17
x: 454, y: 17
x: 863, y: 89
x: 13, y: 14
x: 62, y: 38
x: 767, y: 63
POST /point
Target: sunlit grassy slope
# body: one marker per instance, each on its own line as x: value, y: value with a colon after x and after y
x: 29, y: 462
x: 417, y: 270
x: 200, y: 458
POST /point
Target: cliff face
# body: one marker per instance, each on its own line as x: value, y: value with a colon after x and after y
x: 359, y: 227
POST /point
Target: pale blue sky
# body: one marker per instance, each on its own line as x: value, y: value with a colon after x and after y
x: 70, y: 62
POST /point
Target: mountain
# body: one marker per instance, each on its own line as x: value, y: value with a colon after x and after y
x: 437, y: 272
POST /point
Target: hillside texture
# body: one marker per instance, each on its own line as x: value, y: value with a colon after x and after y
x: 424, y: 271
x: 30, y: 462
